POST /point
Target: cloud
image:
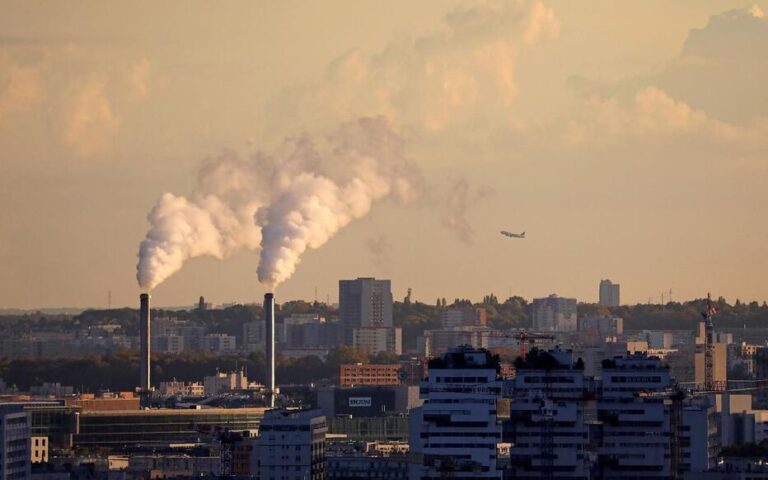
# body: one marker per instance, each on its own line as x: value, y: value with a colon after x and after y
x: 652, y: 115
x: 721, y: 68
x: 90, y: 123
x: 20, y: 87
x: 138, y: 78
x: 461, y: 198
x: 456, y: 76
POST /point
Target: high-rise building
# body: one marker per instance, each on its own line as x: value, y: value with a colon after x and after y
x: 546, y: 426
x: 554, y: 314
x: 609, y: 294
x: 364, y: 302
x: 465, y: 316
x: 15, y: 449
x: 636, y: 419
x: 455, y: 433
x: 290, y: 446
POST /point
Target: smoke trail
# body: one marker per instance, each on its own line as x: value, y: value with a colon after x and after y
x: 314, y: 206
x: 283, y: 204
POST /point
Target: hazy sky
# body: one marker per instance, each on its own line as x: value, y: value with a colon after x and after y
x: 628, y: 139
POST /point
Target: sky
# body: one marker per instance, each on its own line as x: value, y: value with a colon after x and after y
x: 254, y: 145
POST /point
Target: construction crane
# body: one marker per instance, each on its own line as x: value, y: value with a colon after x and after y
x: 709, y: 345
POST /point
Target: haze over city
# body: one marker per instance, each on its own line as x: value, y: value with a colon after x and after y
x: 628, y: 139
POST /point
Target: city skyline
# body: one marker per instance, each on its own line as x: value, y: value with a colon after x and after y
x: 593, y: 130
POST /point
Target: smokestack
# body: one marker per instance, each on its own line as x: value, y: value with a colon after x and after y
x: 145, y: 381
x: 269, y: 318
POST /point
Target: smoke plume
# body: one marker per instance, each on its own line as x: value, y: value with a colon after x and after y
x: 282, y: 204
x: 460, y: 200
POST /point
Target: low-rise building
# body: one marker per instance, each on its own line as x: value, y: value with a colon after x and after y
x: 369, y: 374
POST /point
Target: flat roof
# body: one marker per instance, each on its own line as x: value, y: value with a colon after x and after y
x: 176, y: 411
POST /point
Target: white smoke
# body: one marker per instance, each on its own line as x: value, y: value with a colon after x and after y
x: 369, y: 166
x: 216, y: 220
x: 283, y: 204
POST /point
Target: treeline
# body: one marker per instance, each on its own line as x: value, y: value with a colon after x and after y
x: 119, y: 371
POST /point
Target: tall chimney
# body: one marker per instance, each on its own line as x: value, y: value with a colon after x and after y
x: 269, y: 318
x: 144, y: 333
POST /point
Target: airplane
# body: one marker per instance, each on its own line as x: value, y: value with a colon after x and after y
x: 513, y: 235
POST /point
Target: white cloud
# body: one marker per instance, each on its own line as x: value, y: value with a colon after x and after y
x: 451, y: 78
x: 90, y: 123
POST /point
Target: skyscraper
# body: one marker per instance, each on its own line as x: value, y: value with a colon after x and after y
x: 364, y: 303
x: 609, y: 293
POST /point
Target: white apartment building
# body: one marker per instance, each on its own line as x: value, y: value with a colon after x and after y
x: 554, y: 314
x: 224, y: 382
x: 184, y: 389
x: 547, y: 430
x: 374, y: 340
x: 455, y: 433
x: 635, y: 413
x: 220, y: 343
x: 290, y: 446
x: 15, y: 450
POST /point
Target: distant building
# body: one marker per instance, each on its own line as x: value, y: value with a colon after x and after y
x: 602, y: 325
x: 39, y: 448
x: 290, y: 446
x: 184, y: 389
x: 554, y: 314
x: 719, y: 357
x: 368, y: 401
x: 369, y: 374
x: 15, y: 450
x: 220, y: 343
x: 364, y: 302
x: 455, y: 433
x: 225, y: 382
x: 464, y: 316
x: 375, y: 340
x: 609, y: 294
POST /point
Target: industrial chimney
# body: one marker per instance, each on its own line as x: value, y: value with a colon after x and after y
x: 269, y: 319
x: 145, y: 381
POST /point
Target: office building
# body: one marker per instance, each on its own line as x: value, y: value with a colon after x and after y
x: 368, y: 401
x: 375, y: 340
x: 364, y: 302
x: 290, y: 446
x: 609, y: 294
x: 455, y: 433
x: 15, y: 449
x: 369, y: 374
x: 546, y: 426
x: 554, y: 314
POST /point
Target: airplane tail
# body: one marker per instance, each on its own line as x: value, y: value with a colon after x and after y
x: 522, y: 234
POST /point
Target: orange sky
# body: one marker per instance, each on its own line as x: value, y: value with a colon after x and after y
x: 628, y: 139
